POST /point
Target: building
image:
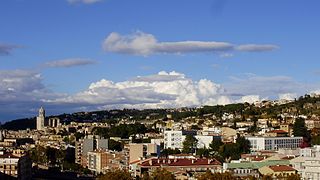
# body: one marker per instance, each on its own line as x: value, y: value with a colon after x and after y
x: 308, y: 163
x: 246, y: 169
x: 100, y: 161
x: 174, y: 139
x: 140, y: 151
x: 15, y: 165
x: 89, y: 143
x: 277, y: 171
x: 274, y: 143
x: 179, y: 165
x: 40, y: 119
x: 54, y: 122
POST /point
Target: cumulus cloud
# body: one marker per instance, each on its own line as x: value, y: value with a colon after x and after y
x: 6, y: 49
x: 69, y: 62
x: 84, y: 1
x: 162, y: 90
x: 140, y: 43
x: 249, y: 99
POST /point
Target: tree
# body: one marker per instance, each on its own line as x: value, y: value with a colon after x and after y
x: 162, y: 174
x: 216, y: 176
x: 215, y: 144
x: 299, y: 128
x: 189, y: 144
x: 114, y: 145
x: 169, y: 151
x: 203, y: 152
x: 116, y: 175
x: 243, y: 144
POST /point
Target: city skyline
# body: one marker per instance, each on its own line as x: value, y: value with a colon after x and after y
x: 82, y: 55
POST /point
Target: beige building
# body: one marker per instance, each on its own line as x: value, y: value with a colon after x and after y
x: 140, y: 151
x: 277, y: 170
x: 100, y: 161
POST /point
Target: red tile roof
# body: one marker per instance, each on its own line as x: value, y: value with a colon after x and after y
x: 279, y: 168
x: 180, y: 162
x: 278, y: 131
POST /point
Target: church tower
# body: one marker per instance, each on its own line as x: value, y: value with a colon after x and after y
x: 40, y: 119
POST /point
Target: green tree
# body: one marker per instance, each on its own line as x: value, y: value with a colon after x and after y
x: 203, y: 152
x: 189, y: 144
x: 215, y: 144
x: 216, y: 176
x: 116, y: 175
x: 243, y: 144
x: 162, y: 174
x: 169, y: 151
x: 114, y: 145
x: 299, y: 128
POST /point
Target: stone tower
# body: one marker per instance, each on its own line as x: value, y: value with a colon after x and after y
x: 40, y: 119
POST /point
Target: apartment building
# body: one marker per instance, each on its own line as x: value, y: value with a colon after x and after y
x: 99, y: 161
x: 140, y: 151
x: 274, y: 143
x: 308, y: 163
x: 89, y: 143
x: 15, y: 165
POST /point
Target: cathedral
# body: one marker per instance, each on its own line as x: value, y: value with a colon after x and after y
x: 40, y: 119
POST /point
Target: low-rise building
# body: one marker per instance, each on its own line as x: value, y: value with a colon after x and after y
x: 274, y: 143
x: 15, y: 165
x: 277, y: 171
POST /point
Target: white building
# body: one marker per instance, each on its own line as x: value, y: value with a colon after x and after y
x: 40, y: 119
x: 174, y: 139
x: 274, y: 143
x: 308, y: 163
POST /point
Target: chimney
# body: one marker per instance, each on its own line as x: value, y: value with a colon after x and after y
x: 192, y: 161
x: 158, y: 161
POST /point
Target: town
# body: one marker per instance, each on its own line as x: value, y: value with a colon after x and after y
x: 277, y: 139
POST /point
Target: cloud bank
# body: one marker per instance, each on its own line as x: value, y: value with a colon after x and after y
x: 143, y: 44
x: 23, y: 91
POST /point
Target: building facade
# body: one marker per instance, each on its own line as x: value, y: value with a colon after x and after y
x: 274, y: 143
x: 40, y: 119
x: 308, y: 163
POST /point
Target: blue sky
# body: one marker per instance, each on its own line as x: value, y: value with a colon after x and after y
x: 52, y: 51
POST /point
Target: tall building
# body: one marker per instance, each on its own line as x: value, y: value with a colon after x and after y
x: 40, y: 119
x: 89, y: 143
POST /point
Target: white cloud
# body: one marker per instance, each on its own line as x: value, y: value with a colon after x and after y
x: 288, y: 96
x: 249, y: 99
x: 84, y: 1
x: 155, y: 91
x: 69, y: 62
x: 140, y: 43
